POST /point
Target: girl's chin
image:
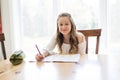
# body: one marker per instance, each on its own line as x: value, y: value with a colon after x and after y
x: 64, y: 33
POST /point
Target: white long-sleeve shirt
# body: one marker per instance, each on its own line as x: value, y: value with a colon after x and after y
x: 65, y: 47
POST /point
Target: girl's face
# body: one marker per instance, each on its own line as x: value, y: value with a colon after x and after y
x: 64, y: 25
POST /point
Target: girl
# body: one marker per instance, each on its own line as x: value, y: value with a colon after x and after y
x: 68, y: 40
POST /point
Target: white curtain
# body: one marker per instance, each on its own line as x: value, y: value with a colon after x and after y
x: 32, y: 22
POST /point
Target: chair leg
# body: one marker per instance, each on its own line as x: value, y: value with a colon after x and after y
x: 3, y: 50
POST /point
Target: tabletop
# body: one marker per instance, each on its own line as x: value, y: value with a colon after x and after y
x: 90, y: 67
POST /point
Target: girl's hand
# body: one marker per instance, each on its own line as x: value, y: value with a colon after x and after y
x: 39, y: 57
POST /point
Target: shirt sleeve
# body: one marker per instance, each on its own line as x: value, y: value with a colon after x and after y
x: 51, y: 45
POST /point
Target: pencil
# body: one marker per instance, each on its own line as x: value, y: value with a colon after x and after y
x: 38, y: 49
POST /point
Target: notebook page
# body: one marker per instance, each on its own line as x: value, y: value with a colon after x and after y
x: 62, y: 58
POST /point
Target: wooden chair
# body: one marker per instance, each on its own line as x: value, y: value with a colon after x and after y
x: 2, y: 39
x: 92, y: 33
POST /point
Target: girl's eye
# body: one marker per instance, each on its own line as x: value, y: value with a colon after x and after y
x: 66, y: 24
x: 61, y: 24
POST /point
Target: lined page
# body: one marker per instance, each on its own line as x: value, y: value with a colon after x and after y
x: 62, y: 58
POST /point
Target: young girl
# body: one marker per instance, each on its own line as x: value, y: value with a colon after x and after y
x: 68, y: 40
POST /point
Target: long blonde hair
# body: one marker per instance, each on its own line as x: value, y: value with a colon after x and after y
x: 73, y: 37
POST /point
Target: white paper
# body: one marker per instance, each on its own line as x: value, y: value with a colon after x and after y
x: 62, y: 58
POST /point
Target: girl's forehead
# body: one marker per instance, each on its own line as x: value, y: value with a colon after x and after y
x: 63, y: 19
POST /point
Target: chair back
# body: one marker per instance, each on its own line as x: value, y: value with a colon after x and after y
x: 2, y: 39
x: 92, y: 33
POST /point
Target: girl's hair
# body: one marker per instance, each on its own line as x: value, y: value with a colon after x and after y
x: 73, y: 38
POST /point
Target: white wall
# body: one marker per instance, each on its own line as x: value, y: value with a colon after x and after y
x: 114, y: 26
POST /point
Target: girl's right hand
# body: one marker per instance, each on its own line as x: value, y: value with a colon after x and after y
x: 39, y: 57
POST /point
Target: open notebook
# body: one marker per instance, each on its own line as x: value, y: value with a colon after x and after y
x: 62, y: 58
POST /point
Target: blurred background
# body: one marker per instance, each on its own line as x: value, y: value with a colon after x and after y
x: 27, y: 22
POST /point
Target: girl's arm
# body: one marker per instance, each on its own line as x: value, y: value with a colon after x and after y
x: 47, y: 50
x: 51, y: 45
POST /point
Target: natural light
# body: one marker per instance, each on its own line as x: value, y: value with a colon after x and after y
x: 38, y: 19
